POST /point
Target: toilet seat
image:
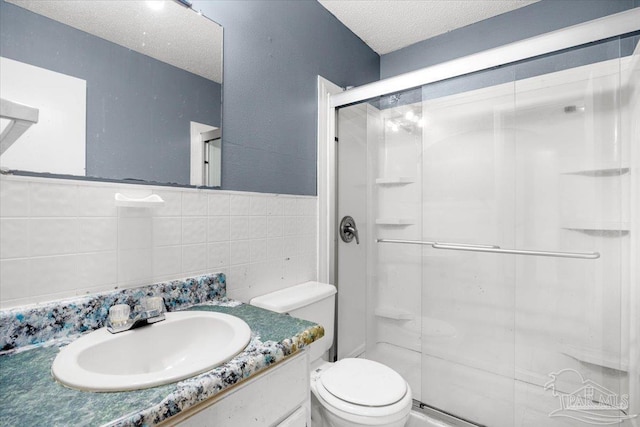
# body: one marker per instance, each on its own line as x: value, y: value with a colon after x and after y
x: 364, y: 391
x: 363, y: 382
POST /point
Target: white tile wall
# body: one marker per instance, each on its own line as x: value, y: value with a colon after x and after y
x: 60, y: 238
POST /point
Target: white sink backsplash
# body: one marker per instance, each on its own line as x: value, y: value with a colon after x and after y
x: 60, y: 238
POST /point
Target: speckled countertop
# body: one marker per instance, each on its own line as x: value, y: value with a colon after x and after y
x: 30, y: 395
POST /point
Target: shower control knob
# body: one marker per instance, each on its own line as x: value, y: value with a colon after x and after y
x: 349, y: 230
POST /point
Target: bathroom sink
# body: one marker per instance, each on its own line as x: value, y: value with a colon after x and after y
x: 185, y: 344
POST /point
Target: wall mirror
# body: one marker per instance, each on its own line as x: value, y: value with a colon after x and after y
x: 111, y: 89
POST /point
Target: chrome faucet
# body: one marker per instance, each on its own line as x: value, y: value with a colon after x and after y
x: 119, y: 320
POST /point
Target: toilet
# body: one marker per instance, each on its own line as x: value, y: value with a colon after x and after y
x: 350, y: 392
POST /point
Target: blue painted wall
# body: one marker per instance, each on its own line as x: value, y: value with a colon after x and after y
x: 273, y: 52
x: 138, y: 108
x: 275, y: 49
x: 529, y: 21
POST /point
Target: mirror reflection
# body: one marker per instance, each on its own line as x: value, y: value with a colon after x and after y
x: 113, y: 89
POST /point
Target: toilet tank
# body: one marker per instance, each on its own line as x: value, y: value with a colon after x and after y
x: 312, y: 301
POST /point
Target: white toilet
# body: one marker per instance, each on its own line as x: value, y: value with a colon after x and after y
x: 349, y: 392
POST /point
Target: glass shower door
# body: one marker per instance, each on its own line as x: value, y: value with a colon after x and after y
x: 395, y: 311
x: 379, y: 175
x: 572, y: 194
x: 468, y: 202
x: 529, y: 157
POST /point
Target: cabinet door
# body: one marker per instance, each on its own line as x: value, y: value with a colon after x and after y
x: 297, y: 419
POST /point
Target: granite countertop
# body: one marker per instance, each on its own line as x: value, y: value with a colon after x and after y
x: 30, y: 395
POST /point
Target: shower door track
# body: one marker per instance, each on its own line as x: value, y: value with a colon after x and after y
x: 554, y: 41
x: 494, y: 249
x: 440, y: 415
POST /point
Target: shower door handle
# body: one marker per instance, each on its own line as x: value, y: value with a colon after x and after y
x: 349, y: 230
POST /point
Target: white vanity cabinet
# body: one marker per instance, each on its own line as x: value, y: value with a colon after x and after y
x: 277, y: 397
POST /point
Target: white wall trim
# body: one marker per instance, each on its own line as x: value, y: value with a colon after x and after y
x: 564, y: 38
x: 326, y: 180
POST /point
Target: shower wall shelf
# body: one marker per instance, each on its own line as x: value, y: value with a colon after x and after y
x: 597, y: 226
x: 395, y: 221
x: 395, y: 180
x: 150, y: 201
x: 599, y: 172
x: 600, y: 233
x: 597, y: 358
x: 393, y: 313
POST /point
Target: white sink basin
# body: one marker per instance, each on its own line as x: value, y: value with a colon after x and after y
x: 185, y: 344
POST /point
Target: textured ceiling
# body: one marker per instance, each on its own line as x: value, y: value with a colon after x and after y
x: 169, y: 32
x: 388, y: 25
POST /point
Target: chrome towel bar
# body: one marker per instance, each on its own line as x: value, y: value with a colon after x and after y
x: 494, y: 249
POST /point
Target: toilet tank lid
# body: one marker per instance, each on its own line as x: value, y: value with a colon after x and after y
x: 292, y: 298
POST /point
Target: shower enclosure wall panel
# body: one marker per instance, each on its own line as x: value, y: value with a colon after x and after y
x: 353, y: 123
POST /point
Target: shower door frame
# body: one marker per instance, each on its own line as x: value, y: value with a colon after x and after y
x: 592, y: 31
x: 554, y: 41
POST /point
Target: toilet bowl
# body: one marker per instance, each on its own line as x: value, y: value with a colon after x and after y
x: 350, y: 392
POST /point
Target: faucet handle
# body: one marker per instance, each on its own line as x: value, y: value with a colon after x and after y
x: 349, y: 230
x: 119, y: 314
x: 153, y: 304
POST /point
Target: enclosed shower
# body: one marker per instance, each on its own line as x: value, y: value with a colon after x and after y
x: 497, y: 266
